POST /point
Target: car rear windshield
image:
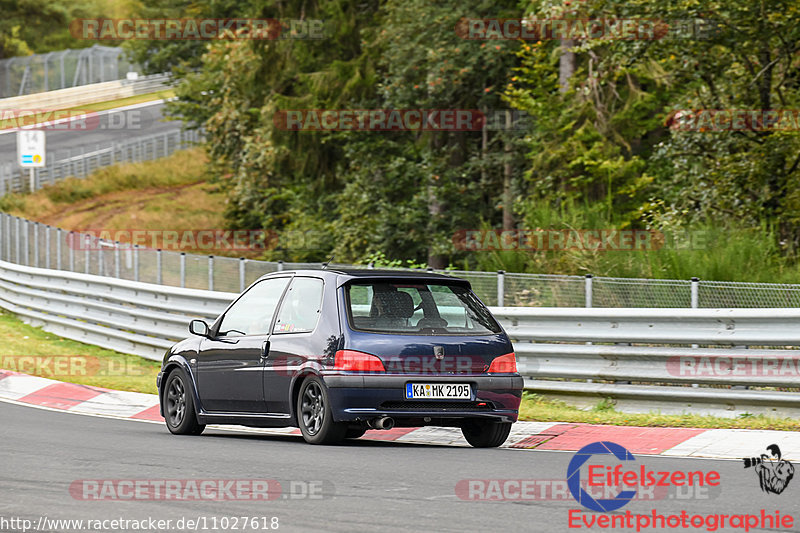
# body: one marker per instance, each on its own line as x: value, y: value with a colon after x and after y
x: 425, y: 308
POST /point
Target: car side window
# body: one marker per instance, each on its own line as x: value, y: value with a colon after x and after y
x: 301, y: 308
x: 252, y: 313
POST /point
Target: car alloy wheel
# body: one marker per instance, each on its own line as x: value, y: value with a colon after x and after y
x: 315, y: 416
x: 313, y: 408
x: 176, y: 402
x: 179, y: 409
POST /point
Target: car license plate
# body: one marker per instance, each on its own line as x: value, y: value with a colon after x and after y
x: 438, y: 391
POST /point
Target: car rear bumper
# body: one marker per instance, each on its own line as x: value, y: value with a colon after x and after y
x: 365, y: 397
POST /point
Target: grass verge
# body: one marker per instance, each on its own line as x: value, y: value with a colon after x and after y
x: 540, y: 409
x: 34, y: 351
x: 172, y: 193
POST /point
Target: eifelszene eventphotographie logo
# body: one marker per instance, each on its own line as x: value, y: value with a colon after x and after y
x: 774, y: 473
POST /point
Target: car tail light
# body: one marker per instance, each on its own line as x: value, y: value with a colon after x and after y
x: 352, y: 360
x: 504, y: 364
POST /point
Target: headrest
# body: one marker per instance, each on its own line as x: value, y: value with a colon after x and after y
x: 396, y: 304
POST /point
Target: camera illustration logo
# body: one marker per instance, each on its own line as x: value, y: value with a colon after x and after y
x: 574, y: 476
x: 774, y: 473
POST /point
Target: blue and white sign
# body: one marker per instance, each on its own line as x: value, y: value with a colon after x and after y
x: 31, y: 148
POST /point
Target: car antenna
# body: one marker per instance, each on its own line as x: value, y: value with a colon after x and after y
x: 325, y: 265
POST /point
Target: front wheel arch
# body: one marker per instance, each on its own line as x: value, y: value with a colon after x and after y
x: 173, y: 365
x: 179, y: 405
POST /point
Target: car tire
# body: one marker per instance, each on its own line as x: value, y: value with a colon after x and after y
x: 485, y: 434
x: 355, y: 432
x: 181, y: 415
x: 315, y: 416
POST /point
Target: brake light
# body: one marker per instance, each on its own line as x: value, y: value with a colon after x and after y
x: 354, y: 361
x: 504, y: 364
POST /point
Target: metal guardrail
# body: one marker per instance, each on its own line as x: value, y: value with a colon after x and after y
x: 665, y: 373
x: 81, y: 162
x: 126, y: 316
x: 761, y: 327
x: 87, y: 94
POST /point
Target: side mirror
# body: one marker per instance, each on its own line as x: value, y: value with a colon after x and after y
x: 198, y: 327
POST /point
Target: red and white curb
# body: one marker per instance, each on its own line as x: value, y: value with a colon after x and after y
x: 673, y: 442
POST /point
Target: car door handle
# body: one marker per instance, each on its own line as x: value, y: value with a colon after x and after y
x: 264, y: 350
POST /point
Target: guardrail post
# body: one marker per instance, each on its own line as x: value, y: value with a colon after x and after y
x: 588, y: 290
x: 158, y: 266
x: 71, y: 251
x: 135, y: 262
x: 46, y: 246
x: 588, y: 297
x: 501, y: 288
x: 100, y: 266
x: 8, y: 238
x: 86, y: 251
x: 25, y: 237
x: 280, y: 265
x: 7, y: 243
x: 116, y: 260
x: 58, y: 248
x: 16, y: 241
x: 183, y: 269
x: 36, y: 244
x: 211, y: 272
x: 241, y: 273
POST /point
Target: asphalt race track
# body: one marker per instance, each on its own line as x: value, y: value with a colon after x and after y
x: 360, y: 486
x: 111, y: 126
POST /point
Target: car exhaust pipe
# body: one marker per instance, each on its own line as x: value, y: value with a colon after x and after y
x: 383, y: 422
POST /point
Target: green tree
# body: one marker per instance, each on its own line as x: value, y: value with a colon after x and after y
x: 38, y: 26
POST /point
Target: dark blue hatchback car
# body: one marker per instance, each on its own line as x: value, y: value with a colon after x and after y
x: 337, y: 352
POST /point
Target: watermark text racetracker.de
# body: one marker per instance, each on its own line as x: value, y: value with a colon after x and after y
x: 607, y: 28
x: 206, y: 240
x: 520, y: 490
x: 200, y: 29
x: 71, y: 365
x: 717, y: 366
x: 378, y: 120
x: 72, y: 120
x: 241, y: 490
x: 600, y: 240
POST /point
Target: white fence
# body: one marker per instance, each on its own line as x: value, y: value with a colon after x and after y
x: 62, y: 69
x: 647, y: 359
x: 26, y: 242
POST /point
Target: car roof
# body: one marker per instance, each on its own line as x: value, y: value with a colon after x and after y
x: 347, y: 274
x: 377, y: 272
